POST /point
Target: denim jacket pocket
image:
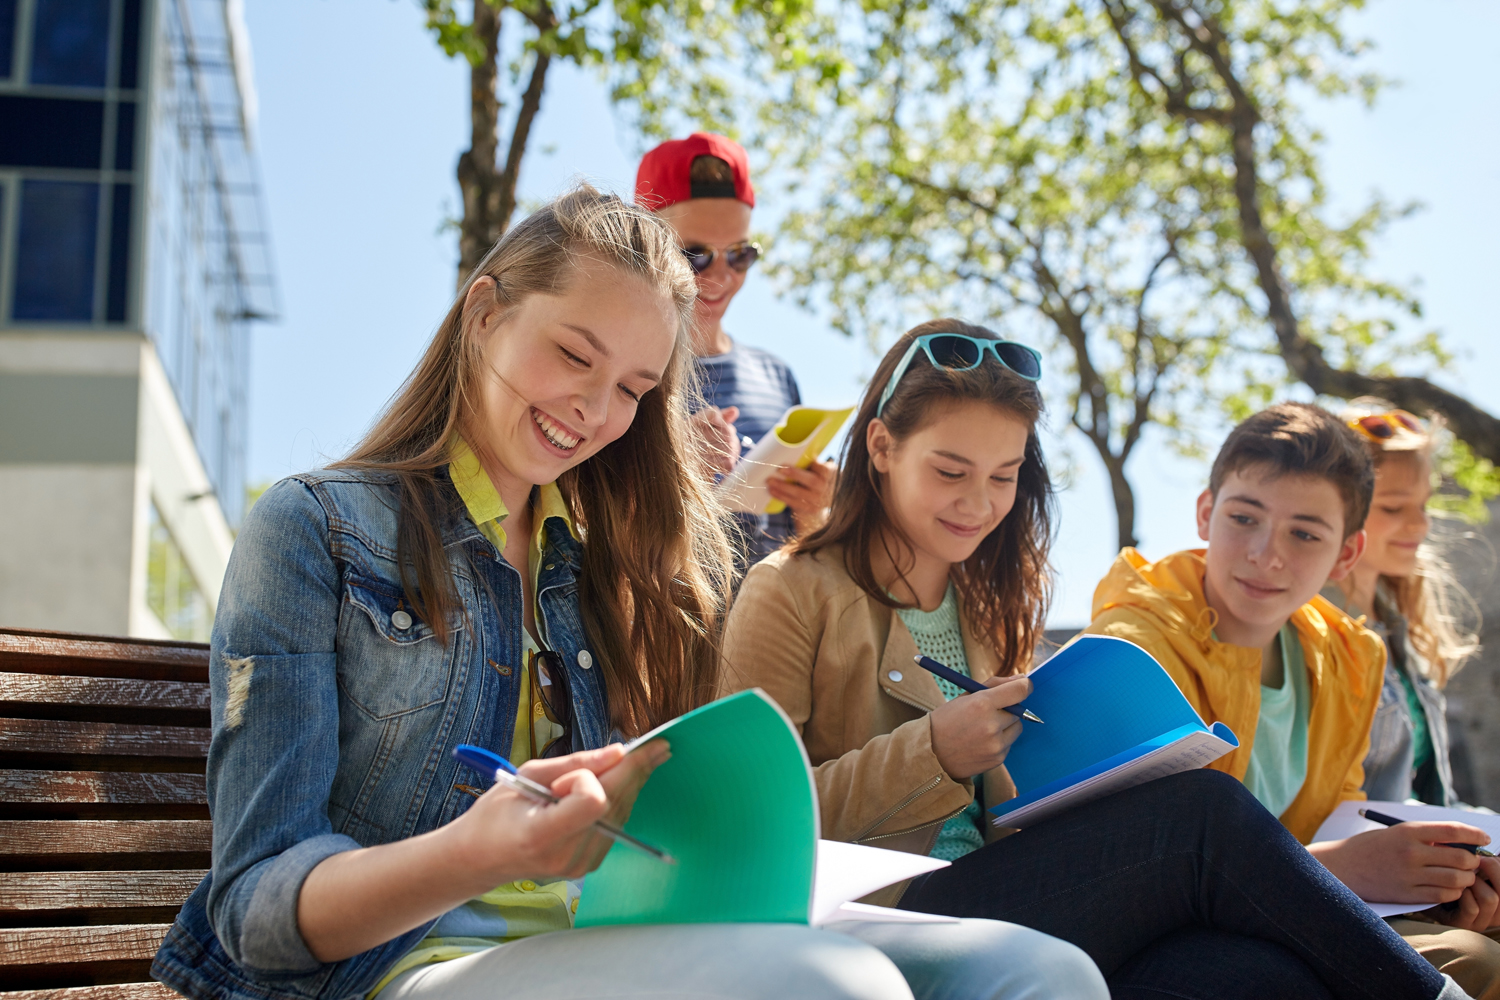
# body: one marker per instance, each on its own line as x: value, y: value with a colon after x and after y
x: 389, y: 662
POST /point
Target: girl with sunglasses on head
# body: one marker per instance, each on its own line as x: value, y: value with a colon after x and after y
x: 700, y: 186
x: 1408, y: 595
x: 521, y: 555
x: 937, y: 543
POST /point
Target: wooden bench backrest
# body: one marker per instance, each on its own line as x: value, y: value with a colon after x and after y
x: 104, y: 826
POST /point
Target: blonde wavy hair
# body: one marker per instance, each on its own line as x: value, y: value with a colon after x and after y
x: 1431, y: 598
x: 656, y: 559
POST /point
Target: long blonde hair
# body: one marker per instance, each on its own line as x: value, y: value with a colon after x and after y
x: 1430, y: 598
x: 656, y: 560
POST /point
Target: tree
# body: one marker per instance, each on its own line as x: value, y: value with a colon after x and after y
x: 1014, y: 161
x: 1026, y: 190
x: 1230, y: 66
x: 617, y: 37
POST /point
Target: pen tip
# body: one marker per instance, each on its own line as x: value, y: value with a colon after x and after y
x: 917, y: 659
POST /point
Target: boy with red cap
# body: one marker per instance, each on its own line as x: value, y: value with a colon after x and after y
x: 701, y: 187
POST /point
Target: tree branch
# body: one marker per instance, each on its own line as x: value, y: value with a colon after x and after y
x: 476, y: 166
x: 1306, y: 360
x: 531, y: 103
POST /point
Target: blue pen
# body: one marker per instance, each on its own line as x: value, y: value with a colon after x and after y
x: 504, y: 773
x: 968, y: 684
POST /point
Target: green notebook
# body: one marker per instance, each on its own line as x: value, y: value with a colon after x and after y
x: 737, y: 807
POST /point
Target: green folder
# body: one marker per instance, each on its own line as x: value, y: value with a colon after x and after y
x: 736, y: 807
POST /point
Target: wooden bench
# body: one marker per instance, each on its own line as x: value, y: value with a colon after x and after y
x: 104, y: 827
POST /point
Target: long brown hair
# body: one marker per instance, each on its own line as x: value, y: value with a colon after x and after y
x: 656, y: 561
x: 1428, y: 598
x: 1005, y: 586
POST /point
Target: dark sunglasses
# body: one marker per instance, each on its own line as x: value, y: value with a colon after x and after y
x: 558, y: 699
x: 739, y: 256
x: 959, y: 352
x: 1384, y: 426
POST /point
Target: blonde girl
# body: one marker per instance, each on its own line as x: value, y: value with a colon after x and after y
x: 1408, y: 595
x: 518, y: 555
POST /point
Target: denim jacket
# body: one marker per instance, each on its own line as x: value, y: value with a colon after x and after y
x: 334, y: 714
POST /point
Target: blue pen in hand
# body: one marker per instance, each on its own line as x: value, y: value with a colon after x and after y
x: 968, y: 684
x: 504, y: 773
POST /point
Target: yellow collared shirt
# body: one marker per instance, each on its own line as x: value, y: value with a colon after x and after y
x: 526, y: 907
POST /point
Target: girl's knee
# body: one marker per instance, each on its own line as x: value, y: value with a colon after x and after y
x: 1025, y: 964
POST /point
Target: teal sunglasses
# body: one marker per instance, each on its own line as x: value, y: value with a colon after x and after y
x: 959, y: 352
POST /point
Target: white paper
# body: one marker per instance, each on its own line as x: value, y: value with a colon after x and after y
x: 744, y: 489
x: 1186, y: 754
x: 1345, y: 821
x: 845, y: 872
x: 886, y: 915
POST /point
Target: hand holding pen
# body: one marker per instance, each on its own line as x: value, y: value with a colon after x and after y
x: 970, y: 685
x: 503, y: 772
x: 1477, y: 906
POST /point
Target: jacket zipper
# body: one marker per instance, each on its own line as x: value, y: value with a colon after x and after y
x: 935, y: 782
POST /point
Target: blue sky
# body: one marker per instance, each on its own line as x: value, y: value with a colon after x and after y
x: 361, y: 120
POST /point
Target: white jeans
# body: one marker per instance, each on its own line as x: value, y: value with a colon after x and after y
x: 971, y: 960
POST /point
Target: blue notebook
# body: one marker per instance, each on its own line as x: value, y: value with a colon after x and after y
x: 1115, y: 719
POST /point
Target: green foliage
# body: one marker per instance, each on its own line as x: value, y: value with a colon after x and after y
x: 1010, y: 162
x: 1468, y: 483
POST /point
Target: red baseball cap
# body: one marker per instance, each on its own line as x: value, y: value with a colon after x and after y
x: 664, y: 177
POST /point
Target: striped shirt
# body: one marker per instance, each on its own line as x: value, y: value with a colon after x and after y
x: 763, y: 388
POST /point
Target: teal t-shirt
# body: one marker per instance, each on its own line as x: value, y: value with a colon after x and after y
x: 939, y: 636
x: 1278, y: 757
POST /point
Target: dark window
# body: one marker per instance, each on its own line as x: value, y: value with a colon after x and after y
x: 70, y: 46
x: 130, y: 44
x: 7, y: 36
x: 55, y: 251
x: 119, y: 255
x: 49, y: 132
x: 125, y: 136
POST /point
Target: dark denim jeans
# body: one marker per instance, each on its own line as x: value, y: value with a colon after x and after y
x: 1185, y: 887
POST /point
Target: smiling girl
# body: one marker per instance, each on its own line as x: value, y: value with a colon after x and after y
x: 520, y: 555
x: 937, y: 544
x: 1407, y: 594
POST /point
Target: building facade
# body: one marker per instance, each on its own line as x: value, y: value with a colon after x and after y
x: 133, y: 263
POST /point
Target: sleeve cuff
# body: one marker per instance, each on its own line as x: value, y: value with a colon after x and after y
x: 270, y: 939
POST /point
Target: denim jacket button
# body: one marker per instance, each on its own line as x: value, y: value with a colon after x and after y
x: 401, y: 620
x: 585, y: 659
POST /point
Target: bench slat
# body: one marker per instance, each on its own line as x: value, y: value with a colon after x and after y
x: 85, y: 945
x: 38, y: 652
x: 18, y: 787
x: 54, y: 689
x: 22, y: 891
x: 115, y: 991
x: 162, y: 836
x: 113, y: 738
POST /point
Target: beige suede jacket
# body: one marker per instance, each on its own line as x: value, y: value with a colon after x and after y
x: 840, y: 664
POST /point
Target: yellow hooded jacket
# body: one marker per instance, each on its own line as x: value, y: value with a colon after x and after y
x: 1160, y: 606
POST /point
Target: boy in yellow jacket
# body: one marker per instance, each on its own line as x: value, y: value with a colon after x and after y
x: 1243, y: 632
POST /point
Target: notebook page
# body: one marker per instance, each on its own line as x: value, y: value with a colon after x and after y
x: 735, y: 805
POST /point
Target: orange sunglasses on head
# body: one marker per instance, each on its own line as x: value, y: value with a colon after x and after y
x: 1384, y: 426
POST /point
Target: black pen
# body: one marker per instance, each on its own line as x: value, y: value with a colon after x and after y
x: 968, y: 684
x: 1383, y: 819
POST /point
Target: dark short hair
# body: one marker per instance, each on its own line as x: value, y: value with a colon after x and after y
x: 1300, y: 439
x: 710, y: 177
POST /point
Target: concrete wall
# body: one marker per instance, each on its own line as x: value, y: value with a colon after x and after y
x: 90, y: 437
x: 1474, y: 695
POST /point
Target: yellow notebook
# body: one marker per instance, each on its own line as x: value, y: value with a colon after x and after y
x: 800, y: 436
